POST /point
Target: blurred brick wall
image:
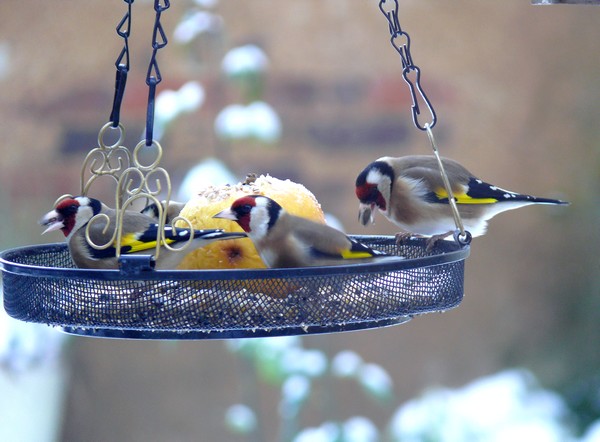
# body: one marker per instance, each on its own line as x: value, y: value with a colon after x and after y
x: 516, y: 93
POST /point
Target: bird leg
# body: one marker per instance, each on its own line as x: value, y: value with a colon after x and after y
x: 403, y: 237
x: 432, y: 240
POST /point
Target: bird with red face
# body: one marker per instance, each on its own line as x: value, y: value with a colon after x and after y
x: 286, y: 240
x: 410, y: 193
x: 139, y: 235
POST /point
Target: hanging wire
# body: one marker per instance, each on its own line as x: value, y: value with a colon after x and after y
x: 463, y: 235
x: 411, y: 73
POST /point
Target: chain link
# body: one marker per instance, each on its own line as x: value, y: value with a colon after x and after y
x: 153, y: 77
x: 123, y: 31
x: 400, y: 40
x: 411, y: 73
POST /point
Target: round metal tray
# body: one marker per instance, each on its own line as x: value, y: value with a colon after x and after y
x: 41, y: 285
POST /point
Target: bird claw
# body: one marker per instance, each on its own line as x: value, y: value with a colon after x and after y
x: 403, y: 237
x: 433, y: 240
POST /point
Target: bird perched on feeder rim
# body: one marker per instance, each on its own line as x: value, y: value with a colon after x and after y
x: 286, y: 240
x: 139, y: 234
x: 410, y: 193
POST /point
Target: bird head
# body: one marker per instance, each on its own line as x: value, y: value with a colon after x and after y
x: 255, y: 214
x: 373, y: 189
x: 71, y: 214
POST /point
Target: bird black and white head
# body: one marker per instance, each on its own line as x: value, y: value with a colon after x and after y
x: 255, y: 214
x: 71, y: 214
x: 374, y: 184
x: 374, y: 188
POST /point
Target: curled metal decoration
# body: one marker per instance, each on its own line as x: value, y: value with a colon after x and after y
x: 176, y: 223
x: 135, y: 179
x: 124, y: 199
x: 94, y: 220
x: 143, y: 175
x: 106, y: 159
x: 147, y: 181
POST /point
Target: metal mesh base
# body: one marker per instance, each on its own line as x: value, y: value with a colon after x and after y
x: 42, y: 285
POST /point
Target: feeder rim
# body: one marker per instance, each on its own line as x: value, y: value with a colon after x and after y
x: 455, y: 253
x: 240, y: 333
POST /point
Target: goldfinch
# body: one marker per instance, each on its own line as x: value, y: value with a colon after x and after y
x: 139, y: 234
x: 410, y: 192
x: 285, y: 240
x: 173, y: 210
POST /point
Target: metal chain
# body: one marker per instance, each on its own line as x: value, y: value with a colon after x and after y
x: 400, y: 40
x: 123, y: 30
x: 153, y: 77
x: 134, y: 179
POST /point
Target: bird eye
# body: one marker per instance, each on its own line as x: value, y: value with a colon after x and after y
x: 367, y: 193
x: 73, y: 208
x: 245, y: 209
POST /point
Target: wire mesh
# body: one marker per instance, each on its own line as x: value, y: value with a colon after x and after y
x: 42, y: 285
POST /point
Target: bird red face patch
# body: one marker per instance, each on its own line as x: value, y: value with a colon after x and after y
x: 368, y: 193
x: 242, y: 208
x: 67, y: 210
x: 67, y: 204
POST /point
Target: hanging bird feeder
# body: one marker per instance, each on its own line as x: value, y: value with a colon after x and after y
x: 41, y: 283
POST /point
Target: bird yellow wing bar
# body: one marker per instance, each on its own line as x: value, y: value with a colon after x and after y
x: 355, y: 254
x: 132, y: 243
x: 463, y: 198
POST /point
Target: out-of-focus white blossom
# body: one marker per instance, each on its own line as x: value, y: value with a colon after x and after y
x: 360, y: 429
x: 264, y: 123
x: 26, y: 345
x: 210, y: 172
x: 33, y: 380
x: 376, y: 381
x: 241, y: 419
x: 295, y: 389
x: 195, y: 24
x: 244, y: 59
x: 260, y: 346
x: 592, y: 434
x: 232, y: 122
x: 190, y: 96
x: 327, y: 432
x: 257, y: 120
x: 494, y: 408
x: 207, y: 3
x: 170, y: 104
x: 312, y: 363
x: 346, y: 364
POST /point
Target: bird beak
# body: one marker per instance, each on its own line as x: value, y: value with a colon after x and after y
x: 365, y: 214
x: 52, y: 221
x: 226, y: 214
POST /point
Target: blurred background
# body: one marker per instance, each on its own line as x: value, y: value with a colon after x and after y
x: 313, y: 93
